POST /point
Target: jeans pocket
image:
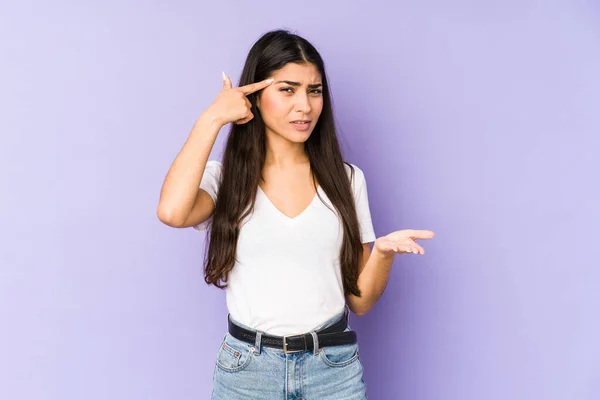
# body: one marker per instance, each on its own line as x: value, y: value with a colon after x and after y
x: 234, y: 355
x: 339, y: 356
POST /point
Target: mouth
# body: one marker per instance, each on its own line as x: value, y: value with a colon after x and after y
x: 302, y: 125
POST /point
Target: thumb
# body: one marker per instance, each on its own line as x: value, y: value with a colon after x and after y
x: 421, y: 234
x: 226, y: 81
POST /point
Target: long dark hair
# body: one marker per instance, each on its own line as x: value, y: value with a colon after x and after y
x: 244, y: 159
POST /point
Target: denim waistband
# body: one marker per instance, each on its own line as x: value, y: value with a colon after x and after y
x: 324, y: 325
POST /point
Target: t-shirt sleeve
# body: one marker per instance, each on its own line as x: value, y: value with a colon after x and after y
x: 361, y: 199
x: 210, y: 182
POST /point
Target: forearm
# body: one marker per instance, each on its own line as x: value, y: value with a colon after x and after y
x: 372, y: 282
x: 181, y: 183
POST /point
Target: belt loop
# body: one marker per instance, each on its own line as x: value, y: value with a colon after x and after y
x: 315, y: 342
x: 257, y: 342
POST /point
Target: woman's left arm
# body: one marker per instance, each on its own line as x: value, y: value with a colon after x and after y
x: 376, y: 265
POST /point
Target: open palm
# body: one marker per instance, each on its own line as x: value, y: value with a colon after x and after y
x: 402, y: 242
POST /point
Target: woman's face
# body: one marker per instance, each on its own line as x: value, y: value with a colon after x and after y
x: 291, y: 106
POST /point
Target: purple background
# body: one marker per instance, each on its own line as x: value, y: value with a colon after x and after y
x: 479, y: 120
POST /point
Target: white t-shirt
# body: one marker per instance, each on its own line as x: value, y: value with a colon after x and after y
x: 287, y: 278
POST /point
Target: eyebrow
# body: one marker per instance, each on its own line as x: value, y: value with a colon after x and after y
x: 291, y: 83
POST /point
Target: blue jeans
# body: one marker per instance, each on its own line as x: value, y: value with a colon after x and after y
x: 251, y: 371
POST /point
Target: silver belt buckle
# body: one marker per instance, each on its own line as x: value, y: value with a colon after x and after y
x: 285, y: 350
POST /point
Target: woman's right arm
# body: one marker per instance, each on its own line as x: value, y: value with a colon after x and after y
x: 182, y: 203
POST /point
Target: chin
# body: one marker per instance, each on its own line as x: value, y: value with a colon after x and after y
x: 298, y: 136
x: 293, y: 135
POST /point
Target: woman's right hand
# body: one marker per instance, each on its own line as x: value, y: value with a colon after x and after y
x: 232, y: 105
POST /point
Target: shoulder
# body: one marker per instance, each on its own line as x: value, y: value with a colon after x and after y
x: 213, y: 167
x: 355, y: 174
x: 214, y: 164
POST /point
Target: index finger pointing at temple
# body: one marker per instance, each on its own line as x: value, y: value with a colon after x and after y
x: 253, y: 87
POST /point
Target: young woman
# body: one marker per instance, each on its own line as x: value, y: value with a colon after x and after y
x: 289, y: 228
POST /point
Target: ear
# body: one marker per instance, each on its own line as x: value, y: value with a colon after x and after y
x: 258, y: 101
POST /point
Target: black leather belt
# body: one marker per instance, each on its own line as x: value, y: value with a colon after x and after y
x: 333, y: 335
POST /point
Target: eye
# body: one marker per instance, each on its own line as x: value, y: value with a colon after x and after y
x: 287, y: 89
x: 317, y: 91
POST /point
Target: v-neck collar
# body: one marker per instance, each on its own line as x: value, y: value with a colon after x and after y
x: 285, y: 217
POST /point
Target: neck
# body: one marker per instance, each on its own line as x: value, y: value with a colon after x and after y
x: 282, y: 153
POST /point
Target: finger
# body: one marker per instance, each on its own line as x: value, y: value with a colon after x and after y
x: 421, y: 234
x: 244, y: 120
x: 253, y: 87
x: 410, y: 248
x: 226, y: 81
x: 248, y: 103
x: 418, y: 249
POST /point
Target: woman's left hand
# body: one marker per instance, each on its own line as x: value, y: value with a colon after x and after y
x: 402, y: 242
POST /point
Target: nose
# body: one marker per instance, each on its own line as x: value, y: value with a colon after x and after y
x: 303, y: 103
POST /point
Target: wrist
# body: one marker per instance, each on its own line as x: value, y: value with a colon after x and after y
x: 383, y: 255
x: 211, y: 119
x: 206, y: 126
